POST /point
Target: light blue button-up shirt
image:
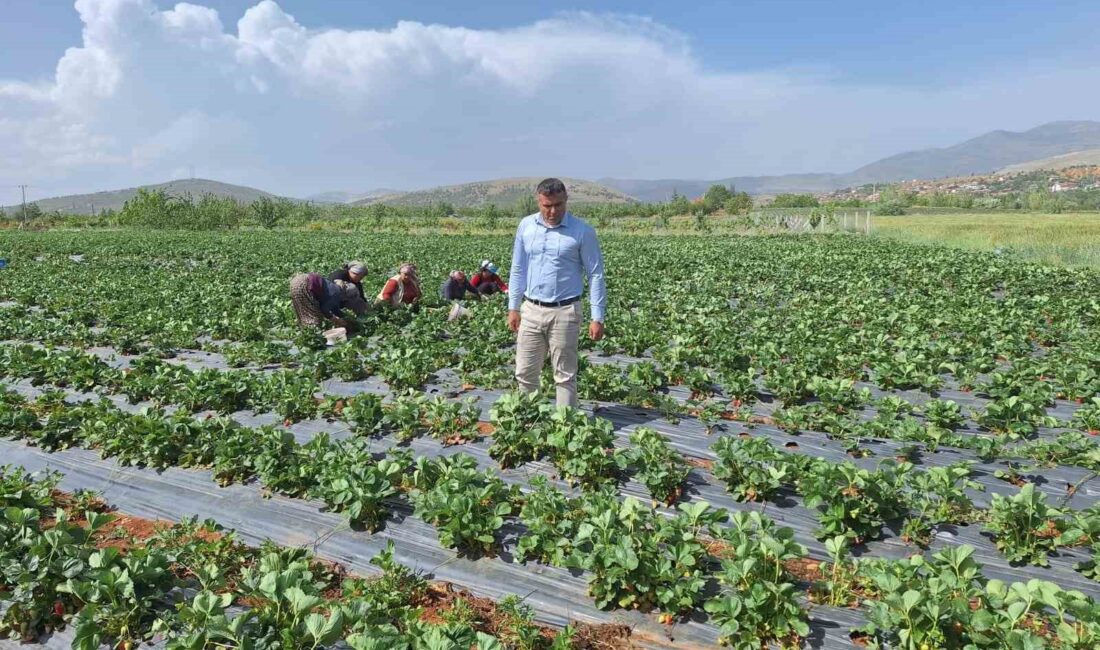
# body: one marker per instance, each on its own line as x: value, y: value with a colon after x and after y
x: 550, y: 264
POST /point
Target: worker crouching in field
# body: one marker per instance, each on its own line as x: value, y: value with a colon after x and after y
x: 352, y: 272
x: 486, y: 281
x: 403, y: 288
x: 456, y: 287
x: 318, y: 300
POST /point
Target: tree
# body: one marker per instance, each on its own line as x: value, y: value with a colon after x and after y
x: 33, y: 212
x: 489, y: 216
x: 890, y: 208
x: 265, y: 212
x: 739, y: 203
x: 679, y: 204
x: 151, y: 208
x: 526, y: 205
x: 716, y: 196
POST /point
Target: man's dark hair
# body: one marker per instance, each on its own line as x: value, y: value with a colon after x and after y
x: 550, y: 187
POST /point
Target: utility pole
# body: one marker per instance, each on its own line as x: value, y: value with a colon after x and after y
x: 23, y: 188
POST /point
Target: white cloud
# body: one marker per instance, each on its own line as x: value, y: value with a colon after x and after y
x: 293, y: 109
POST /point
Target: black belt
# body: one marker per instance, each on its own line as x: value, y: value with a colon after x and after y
x: 560, y: 303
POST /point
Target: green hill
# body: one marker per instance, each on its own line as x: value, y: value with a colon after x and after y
x: 113, y: 199
x: 501, y: 192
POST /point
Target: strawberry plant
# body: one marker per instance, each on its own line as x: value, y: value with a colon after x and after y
x: 788, y: 382
x: 63, y: 426
x: 1024, y: 527
x: 466, y: 506
x: 740, y: 385
x: 943, y: 413
x: 365, y: 413
x: 350, y: 481
x: 751, y: 468
x: 1016, y: 615
x: 1015, y: 416
x: 117, y: 595
x: 1067, y: 448
x: 922, y: 603
x: 281, y: 464
x: 840, y: 577
x: 288, y: 606
x: 452, y: 422
x: 603, y: 381
x: 404, y: 415
x: 1087, y: 418
x: 15, y: 420
x: 551, y: 520
x: 639, y: 559
x: 405, y: 367
x: 580, y: 447
x: 855, y: 502
x: 838, y: 394
x: 520, y: 422
x: 237, y: 452
x: 758, y: 603
x: 291, y: 394
x: 938, y: 496
x: 660, y: 468
x: 36, y: 565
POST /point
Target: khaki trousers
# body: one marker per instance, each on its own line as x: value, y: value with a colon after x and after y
x: 554, y: 330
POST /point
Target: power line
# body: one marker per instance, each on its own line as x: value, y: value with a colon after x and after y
x: 23, y: 188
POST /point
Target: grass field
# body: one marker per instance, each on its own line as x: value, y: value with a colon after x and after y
x: 1061, y: 239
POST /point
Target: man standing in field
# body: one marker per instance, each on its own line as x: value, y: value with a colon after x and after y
x: 554, y: 251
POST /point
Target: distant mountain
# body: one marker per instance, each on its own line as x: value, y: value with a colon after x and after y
x: 113, y: 199
x: 1086, y: 157
x: 662, y: 190
x: 350, y: 197
x: 981, y: 155
x: 501, y: 192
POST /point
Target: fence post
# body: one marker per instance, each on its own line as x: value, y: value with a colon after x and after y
x: 868, y: 231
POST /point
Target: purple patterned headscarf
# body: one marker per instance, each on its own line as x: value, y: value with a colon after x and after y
x: 316, y: 284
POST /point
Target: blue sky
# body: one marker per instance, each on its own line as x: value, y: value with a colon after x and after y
x: 298, y: 97
x: 867, y: 40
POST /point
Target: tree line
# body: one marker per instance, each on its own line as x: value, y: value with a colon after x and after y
x: 158, y: 209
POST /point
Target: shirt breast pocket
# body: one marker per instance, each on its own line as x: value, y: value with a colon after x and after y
x: 531, y: 242
x: 568, y: 248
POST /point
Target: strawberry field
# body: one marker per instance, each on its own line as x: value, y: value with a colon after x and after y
x: 786, y: 441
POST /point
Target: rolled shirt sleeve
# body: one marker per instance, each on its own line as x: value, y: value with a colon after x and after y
x: 592, y: 260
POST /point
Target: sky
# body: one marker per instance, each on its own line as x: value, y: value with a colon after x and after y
x: 302, y: 96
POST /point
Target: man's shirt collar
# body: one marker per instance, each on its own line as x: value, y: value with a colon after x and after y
x: 564, y: 221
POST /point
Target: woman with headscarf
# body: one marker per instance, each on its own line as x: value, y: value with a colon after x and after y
x: 486, y: 281
x: 318, y: 300
x: 352, y: 272
x: 403, y: 288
